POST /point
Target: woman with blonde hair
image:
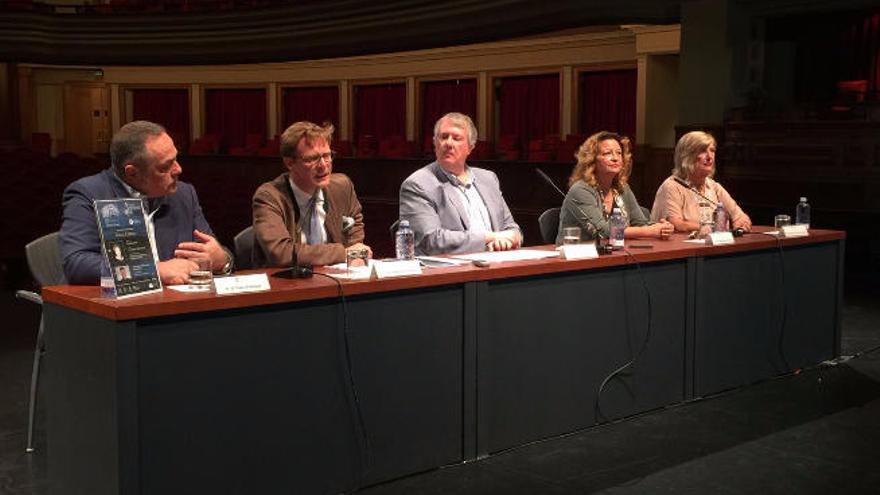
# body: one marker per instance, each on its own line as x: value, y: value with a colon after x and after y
x: 689, y: 196
x: 598, y: 184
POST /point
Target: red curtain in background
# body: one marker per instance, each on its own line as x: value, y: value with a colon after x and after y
x: 168, y: 107
x: 380, y: 110
x: 529, y: 107
x: 608, y: 102
x: 318, y: 105
x: 442, y: 97
x: 232, y: 114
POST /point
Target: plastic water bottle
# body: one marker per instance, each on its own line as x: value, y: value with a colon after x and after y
x: 108, y: 288
x: 617, y: 226
x: 802, y: 212
x: 719, y: 218
x: 405, y: 241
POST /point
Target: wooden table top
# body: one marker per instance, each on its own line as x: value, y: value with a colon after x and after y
x: 171, y: 302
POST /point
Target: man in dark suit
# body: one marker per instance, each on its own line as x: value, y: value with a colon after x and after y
x: 307, y: 212
x: 453, y: 207
x: 143, y: 165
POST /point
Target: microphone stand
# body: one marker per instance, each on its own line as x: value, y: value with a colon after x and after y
x: 602, y: 244
x: 737, y: 232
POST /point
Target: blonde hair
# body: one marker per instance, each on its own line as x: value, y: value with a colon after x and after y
x: 461, y: 120
x: 303, y: 130
x: 686, y: 150
x: 586, y: 161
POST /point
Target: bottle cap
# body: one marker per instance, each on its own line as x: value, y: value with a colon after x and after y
x: 615, y: 210
x: 803, y: 199
x: 403, y: 223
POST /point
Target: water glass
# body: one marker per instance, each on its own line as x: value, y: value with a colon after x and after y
x: 780, y: 221
x: 202, y: 277
x: 571, y: 235
x: 355, y: 258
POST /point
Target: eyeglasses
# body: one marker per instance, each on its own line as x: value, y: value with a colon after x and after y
x: 610, y: 153
x: 312, y: 160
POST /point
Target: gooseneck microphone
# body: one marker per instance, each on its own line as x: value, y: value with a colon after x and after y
x: 687, y: 185
x: 593, y: 229
x: 737, y: 232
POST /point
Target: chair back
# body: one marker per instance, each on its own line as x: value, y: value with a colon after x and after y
x: 548, y: 222
x: 44, y: 260
x: 244, y: 248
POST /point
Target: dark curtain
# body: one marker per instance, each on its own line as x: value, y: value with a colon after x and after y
x: 168, y: 107
x: 859, y: 51
x: 232, y: 114
x: 380, y: 110
x: 830, y: 47
x: 442, y: 97
x: 528, y: 107
x: 608, y: 102
x: 318, y: 105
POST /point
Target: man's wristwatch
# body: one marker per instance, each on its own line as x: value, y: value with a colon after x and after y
x: 227, y: 267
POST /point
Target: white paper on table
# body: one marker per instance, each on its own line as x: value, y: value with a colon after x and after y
x: 188, y: 288
x: 513, y: 255
x: 696, y: 241
x: 433, y: 262
x: 340, y: 271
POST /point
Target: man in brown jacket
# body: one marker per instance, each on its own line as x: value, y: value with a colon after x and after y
x: 307, y: 211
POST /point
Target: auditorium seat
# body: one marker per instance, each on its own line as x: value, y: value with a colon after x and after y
x: 209, y: 144
x: 367, y: 146
x: 252, y: 144
x: 507, y: 146
x: 271, y: 148
x: 393, y: 147
x: 482, y: 151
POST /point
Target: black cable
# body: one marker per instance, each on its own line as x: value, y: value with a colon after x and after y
x: 780, y: 344
x: 632, y: 361
x: 367, y: 454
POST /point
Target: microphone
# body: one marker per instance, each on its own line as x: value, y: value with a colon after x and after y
x: 686, y: 185
x: 601, y: 239
x: 296, y: 270
x: 737, y: 232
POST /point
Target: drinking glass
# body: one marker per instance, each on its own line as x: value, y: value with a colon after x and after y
x: 780, y: 221
x: 202, y: 277
x: 571, y: 235
x: 355, y: 258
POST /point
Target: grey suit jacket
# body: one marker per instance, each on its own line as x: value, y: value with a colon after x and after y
x: 429, y: 201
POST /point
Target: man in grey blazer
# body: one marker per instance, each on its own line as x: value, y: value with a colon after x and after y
x: 452, y: 207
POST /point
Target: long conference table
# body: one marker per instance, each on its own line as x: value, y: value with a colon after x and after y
x: 294, y: 390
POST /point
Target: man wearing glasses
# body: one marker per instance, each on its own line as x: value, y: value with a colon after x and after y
x: 308, y: 215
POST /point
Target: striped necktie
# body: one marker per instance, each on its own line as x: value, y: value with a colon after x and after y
x: 312, y: 220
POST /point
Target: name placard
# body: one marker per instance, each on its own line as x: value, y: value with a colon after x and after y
x: 578, y: 251
x: 719, y: 238
x: 396, y: 268
x: 799, y: 230
x: 241, y: 283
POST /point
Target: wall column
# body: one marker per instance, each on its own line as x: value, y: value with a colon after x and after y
x: 195, y: 111
x: 272, y: 110
x: 567, y: 101
x: 344, y: 112
x: 483, y: 95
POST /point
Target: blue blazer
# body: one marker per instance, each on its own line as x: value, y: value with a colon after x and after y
x: 80, y: 243
x: 429, y: 201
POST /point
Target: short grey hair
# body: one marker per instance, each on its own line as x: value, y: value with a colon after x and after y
x: 461, y: 120
x: 128, y: 144
x: 689, y: 146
